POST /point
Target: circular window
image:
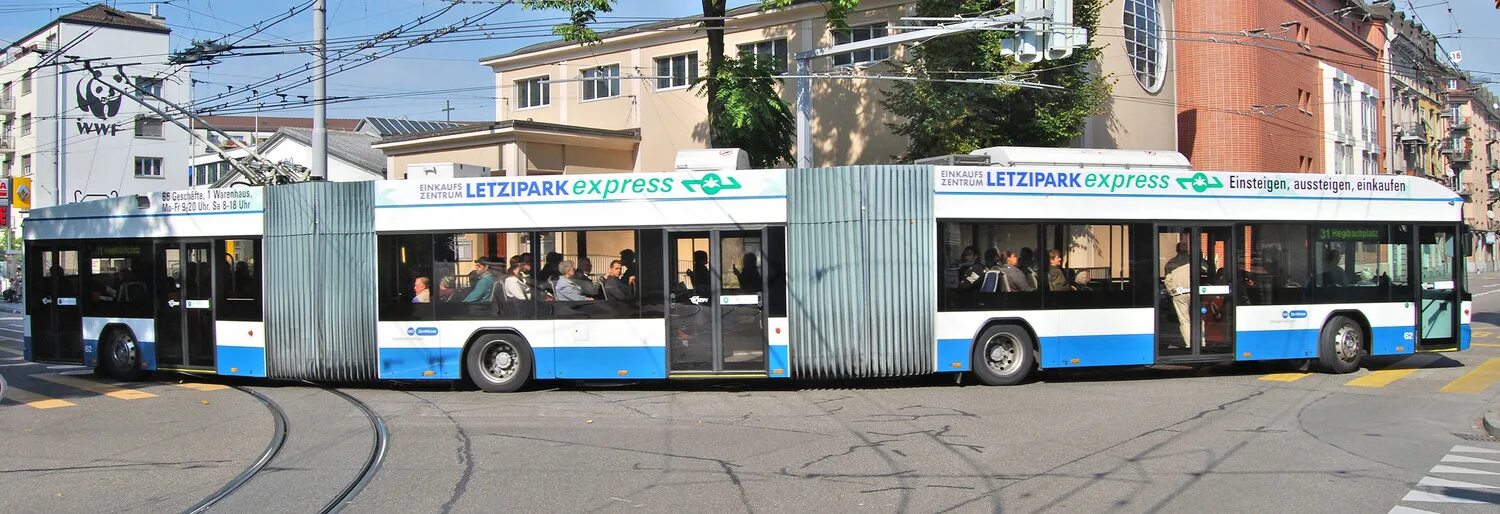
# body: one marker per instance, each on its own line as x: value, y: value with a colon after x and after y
x: 1143, y: 43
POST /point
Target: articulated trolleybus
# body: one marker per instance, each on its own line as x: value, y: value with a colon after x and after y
x: 860, y: 271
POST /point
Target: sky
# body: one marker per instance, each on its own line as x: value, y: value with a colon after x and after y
x: 408, y: 80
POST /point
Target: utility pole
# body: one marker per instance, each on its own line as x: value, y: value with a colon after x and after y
x: 447, y: 110
x: 320, y: 92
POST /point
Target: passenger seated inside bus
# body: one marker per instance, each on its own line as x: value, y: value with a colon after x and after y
x: 515, y: 288
x: 584, y: 277
x: 1056, y: 280
x: 565, y: 287
x: 421, y: 290
x: 748, y: 274
x: 616, y: 286
x: 549, y: 271
x: 965, y: 274
x: 1333, y: 275
x: 1081, y: 280
x: 486, y: 284
x: 1016, y: 279
x: 446, y: 289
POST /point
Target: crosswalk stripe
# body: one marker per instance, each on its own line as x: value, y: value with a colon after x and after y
x: 1442, y: 482
x: 34, y: 400
x: 1471, y: 449
x: 1408, y: 510
x: 1455, y: 469
x: 1380, y: 378
x: 11, y: 351
x: 1486, y: 345
x: 1468, y: 460
x: 1285, y: 377
x: 202, y: 387
x: 1424, y: 496
x: 97, y: 388
x: 1477, y: 380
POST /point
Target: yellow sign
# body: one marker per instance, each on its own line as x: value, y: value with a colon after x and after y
x: 20, y: 191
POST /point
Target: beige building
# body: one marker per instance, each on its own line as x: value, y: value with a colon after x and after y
x: 627, y: 103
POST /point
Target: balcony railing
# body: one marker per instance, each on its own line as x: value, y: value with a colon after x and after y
x: 7, y: 145
x: 1414, y: 133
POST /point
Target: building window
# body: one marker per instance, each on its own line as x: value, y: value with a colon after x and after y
x: 1143, y: 43
x: 601, y: 82
x: 25, y: 124
x: 774, y: 49
x: 148, y: 85
x: 533, y: 92
x: 148, y: 167
x: 676, y: 71
x: 26, y: 84
x: 146, y: 126
x: 5, y: 93
x: 861, y: 33
x: 26, y: 165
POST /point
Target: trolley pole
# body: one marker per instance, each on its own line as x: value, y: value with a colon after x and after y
x: 319, y: 166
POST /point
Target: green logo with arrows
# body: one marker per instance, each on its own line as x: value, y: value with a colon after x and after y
x: 1200, y: 182
x: 711, y: 184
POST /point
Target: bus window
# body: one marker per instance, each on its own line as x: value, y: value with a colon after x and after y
x: 487, y: 282
x: 595, y: 275
x: 1353, y: 263
x: 239, y: 287
x: 1275, y: 265
x: 989, y: 266
x: 117, y: 282
x: 1088, y: 266
x: 408, y: 288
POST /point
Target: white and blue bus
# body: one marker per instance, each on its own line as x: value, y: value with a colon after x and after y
x: 858, y: 271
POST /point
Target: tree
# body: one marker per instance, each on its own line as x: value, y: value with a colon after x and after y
x: 744, y: 109
x: 939, y: 117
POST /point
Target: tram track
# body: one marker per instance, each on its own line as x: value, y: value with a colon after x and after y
x: 380, y: 437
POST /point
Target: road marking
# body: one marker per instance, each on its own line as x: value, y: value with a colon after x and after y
x: 1452, y: 484
x: 1482, y: 334
x: 1424, y: 496
x: 1477, y: 380
x: 1455, y: 469
x: 34, y: 400
x: 17, y: 364
x: 64, y: 366
x: 1486, y: 345
x: 1408, y: 510
x: 11, y: 351
x: 1467, y: 460
x: 1471, y: 449
x: 1285, y: 377
x: 1380, y: 378
x: 202, y: 387
x: 96, y: 387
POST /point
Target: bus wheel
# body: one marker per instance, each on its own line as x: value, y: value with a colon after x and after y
x: 122, y: 355
x: 499, y: 363
x: 1341, y: 345
x: 1003, y: 355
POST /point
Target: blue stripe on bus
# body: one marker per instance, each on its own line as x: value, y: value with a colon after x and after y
x: 26, y: 349
x: 1464, y: 333
x: 606, y: 362
x: 242, y: 361
x: 571, y: 202
x: 1098, y: 350
x: 1387, y: 340
x: 1223, y: 197
x: 148, y: 354
x: 416, y: 363
x: 1276, y: 344
x: 157, y: 215
x: 778, y: 360
x: 90, y: 353
x: 953, y: 351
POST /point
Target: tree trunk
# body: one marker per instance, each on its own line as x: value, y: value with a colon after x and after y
x: 713, y: 24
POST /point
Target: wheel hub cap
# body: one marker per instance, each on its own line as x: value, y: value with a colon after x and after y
x: 1000, y: 355
x: 1347, y: 344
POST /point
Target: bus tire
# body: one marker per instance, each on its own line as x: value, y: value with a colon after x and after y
x: 498, y: 363
x: 121, y: 355
x: 1003, y: 355
x: 1341, y: 345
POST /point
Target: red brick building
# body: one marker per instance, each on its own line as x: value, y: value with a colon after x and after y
x: 1283, y: 85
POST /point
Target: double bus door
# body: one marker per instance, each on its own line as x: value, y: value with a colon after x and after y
x: 1195, y: 307
x: 54, y: 286
x: 1437, y: 314
x: 716, y: 310
x: 184, y: 305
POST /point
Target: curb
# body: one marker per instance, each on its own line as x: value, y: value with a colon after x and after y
x: 1491, y: 420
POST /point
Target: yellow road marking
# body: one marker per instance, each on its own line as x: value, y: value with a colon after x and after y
x: 1380, y: 378
x: 97, y: 388
x: 34, y: 400
x: 11, y: 351
x: 1477, y: 380
x: 202, y: 387
x: 1481, y: 333
x: 1285, y: 377
x: 1486, y: 345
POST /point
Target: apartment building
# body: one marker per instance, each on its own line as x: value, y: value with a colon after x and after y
x: 67, y: 126
x: 1415, y: 90
x: 1469, y: 150
x: 1284, y: 85
x: 626, y: 103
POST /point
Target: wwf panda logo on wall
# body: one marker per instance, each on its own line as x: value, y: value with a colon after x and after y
x: 95, y: 96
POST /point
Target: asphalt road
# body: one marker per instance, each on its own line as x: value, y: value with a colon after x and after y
x: 1401, y: 434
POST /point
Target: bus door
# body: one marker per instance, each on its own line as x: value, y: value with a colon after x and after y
x: 1437, y: 319
x: 716, y: 315
x: 52, y: 302
x: 184, y: 305
x: 1195, y: 307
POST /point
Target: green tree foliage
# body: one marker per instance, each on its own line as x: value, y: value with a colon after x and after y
x: 744, y: 110
x: 945, y: 117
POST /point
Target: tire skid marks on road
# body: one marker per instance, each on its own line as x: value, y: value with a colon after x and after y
x: 1435, y: 489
